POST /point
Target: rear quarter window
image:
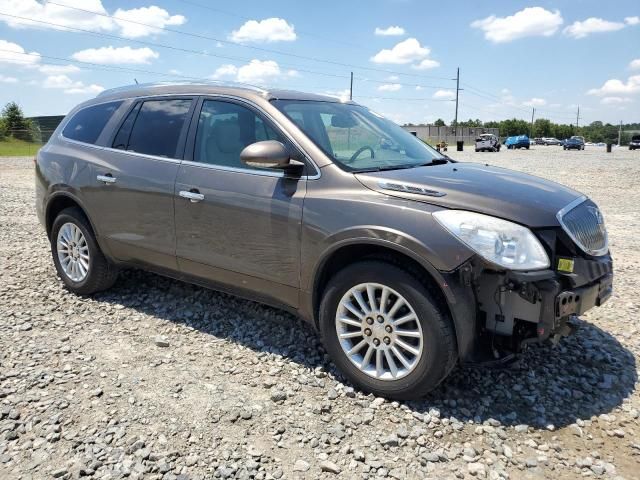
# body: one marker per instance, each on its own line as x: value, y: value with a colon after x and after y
x: 87, y: 124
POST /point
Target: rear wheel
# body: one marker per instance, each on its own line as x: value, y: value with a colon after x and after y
x: 76, y: 255
x: 385, y: 332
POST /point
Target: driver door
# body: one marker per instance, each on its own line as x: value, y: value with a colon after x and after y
x: 243, y: 228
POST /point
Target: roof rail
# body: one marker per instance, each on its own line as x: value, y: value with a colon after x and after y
x: 182, y: 82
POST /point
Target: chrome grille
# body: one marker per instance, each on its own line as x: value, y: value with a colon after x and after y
x: 584, y: 223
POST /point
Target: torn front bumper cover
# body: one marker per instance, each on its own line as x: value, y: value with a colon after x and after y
x: 534, y: 306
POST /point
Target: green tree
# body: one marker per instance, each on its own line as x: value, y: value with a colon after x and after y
x: 17, y: 126
x: 542, y: 128
x: 439, y: 123
x: 3, y: 129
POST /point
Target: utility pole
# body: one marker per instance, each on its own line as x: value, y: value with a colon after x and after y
x: 578, y: 119
x: 351, y: 88
x: 619, y: 132
x: 533, y: 111
x: 455, y: 121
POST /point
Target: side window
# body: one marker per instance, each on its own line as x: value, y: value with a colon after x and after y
x: 224, y: 129
x: 156, y: 127
x: 121, y: 139
x: 87, y: 124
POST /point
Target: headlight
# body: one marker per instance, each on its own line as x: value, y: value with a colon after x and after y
x: 503, y: 243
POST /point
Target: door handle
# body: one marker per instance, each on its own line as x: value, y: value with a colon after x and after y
x: 108, y: 178
x: 194, y: 195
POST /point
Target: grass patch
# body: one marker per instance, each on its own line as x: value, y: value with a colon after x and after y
x: 12, y: 147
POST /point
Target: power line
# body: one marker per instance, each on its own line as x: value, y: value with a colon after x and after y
x: 115, y: 68
x: 253, y: 47
x: 208, y: 54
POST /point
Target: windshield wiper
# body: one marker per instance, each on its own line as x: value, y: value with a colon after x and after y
x: 435, y: 161
x: 386, y: 167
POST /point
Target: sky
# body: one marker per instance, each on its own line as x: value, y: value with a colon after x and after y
x: 554, y: 56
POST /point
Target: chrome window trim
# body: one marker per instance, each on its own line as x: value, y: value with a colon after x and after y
x: 223, y: 168
x: 563, y: 211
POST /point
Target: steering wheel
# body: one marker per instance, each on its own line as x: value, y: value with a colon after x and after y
x: 360, y: 150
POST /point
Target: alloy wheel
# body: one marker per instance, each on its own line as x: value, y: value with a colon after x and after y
x: 73, y: 252
x: 379, y: 331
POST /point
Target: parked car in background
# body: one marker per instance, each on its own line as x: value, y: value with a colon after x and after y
x: 537, y: 141
x: 573, y: 143
x: 406, y: 261
x: 550, y: 141
x: 635, y: 142
x: 579, y: 137
x: 518, y: 141
x: 487, y: 142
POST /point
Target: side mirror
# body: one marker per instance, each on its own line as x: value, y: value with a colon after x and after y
x: 270, y: 154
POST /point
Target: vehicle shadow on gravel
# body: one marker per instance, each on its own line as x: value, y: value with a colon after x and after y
x: 586, y: 375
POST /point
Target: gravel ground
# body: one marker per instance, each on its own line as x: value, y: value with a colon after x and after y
x: 163, y: 380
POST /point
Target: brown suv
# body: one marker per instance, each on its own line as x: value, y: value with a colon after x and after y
x: 406, y: 261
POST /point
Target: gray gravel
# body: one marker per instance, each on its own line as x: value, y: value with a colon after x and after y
x: 158, y: 379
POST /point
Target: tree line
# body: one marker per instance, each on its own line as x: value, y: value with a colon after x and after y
x: 14, y: 124
x: 594, y: 132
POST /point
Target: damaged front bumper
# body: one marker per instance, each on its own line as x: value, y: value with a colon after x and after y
x: 513, y: 309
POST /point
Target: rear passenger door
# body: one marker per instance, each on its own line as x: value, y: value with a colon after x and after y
x: 243, y: 228
x: 134, y: 190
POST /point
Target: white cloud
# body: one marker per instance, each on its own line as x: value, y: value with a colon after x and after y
x: 426, y: 64
x: 614, y: 100
x: 155, y: 16
x: 5, y: 79
x: 407, y: 51
x: 226, y: 70
x: 529, y: 22
x: 63, y: 82
x: 591, y: 25
x: 535, y: 102
x: 258, y: 71
x: 82, y: 89
x: 393, y: 78
x: 91, y: 16
x: 632, y: 20
x: 58, y: 81
x: 444, y: 95
x: 119, y: 55
x: 57, y: 69
x: 635, y: 64
x: 48, y: 12
x: 418, y: 88
x: 615, y: 87
x: 390, y: 87
x: 267, y: 30
x: 390, y: 31
x: 14, y: 54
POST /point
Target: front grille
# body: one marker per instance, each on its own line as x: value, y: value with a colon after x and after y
x: 583, y: 222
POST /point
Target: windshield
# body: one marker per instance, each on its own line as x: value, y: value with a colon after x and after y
x: 356, y: 138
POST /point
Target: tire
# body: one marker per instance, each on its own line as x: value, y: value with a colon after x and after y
x: 438, y: 354
x: 477, y: 150
x: 100, y: 274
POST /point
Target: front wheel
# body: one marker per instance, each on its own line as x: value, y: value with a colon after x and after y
x: 76, y: 255
x: 385, y: 332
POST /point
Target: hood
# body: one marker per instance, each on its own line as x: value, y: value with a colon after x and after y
x: 515, y: 196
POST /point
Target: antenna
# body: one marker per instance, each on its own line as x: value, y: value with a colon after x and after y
x: 135, y: 80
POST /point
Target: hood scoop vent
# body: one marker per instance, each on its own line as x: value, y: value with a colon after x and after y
x: 406, y: 188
